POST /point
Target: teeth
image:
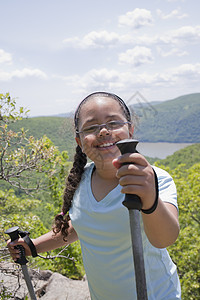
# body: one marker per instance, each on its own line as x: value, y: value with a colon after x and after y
x: 106, y: 145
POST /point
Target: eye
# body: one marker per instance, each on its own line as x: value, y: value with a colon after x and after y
x: 115, y: 124
x: 91, y: 128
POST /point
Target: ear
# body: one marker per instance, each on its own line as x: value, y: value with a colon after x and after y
x: 131, y: 130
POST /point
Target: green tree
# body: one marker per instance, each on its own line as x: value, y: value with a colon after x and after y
x: 23, y: 157
x: 31, y: 166
x: 186, y: 251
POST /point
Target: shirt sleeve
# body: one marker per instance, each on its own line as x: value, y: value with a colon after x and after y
x: 166, y: 186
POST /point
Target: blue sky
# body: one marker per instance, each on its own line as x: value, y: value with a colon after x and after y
x: 55, y: 52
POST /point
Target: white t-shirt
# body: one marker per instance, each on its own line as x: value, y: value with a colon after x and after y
x: 103, y: 229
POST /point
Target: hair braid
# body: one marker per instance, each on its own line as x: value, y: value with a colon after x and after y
x: 72, y: 182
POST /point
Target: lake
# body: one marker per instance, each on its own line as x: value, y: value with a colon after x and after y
x: 160, y: 150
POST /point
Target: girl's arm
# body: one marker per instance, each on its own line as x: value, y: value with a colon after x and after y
x: 46, y: 242
x: 161, y: 226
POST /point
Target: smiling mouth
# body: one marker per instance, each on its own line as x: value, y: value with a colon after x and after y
x: 106, y: 145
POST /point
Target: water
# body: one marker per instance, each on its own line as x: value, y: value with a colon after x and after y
x: 160, y: 150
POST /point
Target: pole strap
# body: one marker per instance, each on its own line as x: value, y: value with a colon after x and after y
x: 154, y: 206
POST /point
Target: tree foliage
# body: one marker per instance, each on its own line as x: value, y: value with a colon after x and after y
x: 23, y: 157
x: 33, y: 172
x: 187, y: 156
x: 59, y: 130
x: 186, y: 251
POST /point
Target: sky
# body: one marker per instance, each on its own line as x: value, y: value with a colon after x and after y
x: 53, y: 53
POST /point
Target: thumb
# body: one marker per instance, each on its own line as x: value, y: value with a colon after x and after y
x: 116, y: 163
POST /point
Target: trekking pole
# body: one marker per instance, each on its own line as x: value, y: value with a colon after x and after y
x: 134, y: 205
x: 13, y: 232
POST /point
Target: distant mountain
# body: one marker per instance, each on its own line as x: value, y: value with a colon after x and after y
x: 176, y: 120
x: 65, y: 115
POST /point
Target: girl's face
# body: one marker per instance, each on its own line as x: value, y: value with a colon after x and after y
x: 100, y: 146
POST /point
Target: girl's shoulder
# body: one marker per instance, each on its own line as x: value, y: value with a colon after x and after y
x: 166, y: 186
x: 88, y: 170
x: 89, y: 167
x: 161, y: 173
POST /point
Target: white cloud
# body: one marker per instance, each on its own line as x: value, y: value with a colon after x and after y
x: 94, y: 39
x: 185, y: 34
x: 5, y: 57
x: 136, y: 18
x: 173, y: 14
x: 125, y: 83
x: 136, y: 56
x: 181, y: 76
x: 6, y: 76
x: 102, y: 38
x: 105, y: 39
x: 109, y: 80
x: 187, y: 70
x: 98, y: 79
x: 173, y: 51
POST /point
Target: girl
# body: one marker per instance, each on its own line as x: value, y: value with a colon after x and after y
x: 93, y: 211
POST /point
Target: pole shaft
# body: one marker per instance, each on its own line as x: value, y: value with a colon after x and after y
x: 137, y: 247
x: 28, y: 282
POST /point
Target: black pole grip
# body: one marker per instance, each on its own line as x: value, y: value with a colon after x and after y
x: 13, y: 232
x: 131, y: 201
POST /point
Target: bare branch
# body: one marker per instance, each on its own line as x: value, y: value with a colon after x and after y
x: 48, y: 256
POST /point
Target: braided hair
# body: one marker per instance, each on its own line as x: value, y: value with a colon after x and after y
x: 72, y: 182
x: 61, y: 222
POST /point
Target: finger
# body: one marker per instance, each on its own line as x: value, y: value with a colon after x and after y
x: 134, y: 158
x: 14, y: 252
x: 131, y: 180
x: 132, y: 189
x: 130, y: 169
x: 20, y: 241
x: 16, y: 242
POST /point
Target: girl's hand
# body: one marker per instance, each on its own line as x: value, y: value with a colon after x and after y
x: 15, y: 252
x: 136, y: 176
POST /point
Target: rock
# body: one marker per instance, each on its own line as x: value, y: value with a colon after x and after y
x: 47, y: 285
x: 62, y: 288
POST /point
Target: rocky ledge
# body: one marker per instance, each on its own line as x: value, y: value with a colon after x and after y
x: 47, y: 285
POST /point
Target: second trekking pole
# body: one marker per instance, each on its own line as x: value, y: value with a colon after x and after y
x: 13, y: 232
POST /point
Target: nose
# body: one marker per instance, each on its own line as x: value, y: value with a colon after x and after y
x: 104, y: 130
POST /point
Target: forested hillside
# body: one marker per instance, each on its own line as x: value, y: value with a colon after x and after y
x: 187, y: 156
x: 58, y: 129
x: 176, y: 120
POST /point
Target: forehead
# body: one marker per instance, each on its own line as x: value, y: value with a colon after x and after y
x: 100, y: 105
